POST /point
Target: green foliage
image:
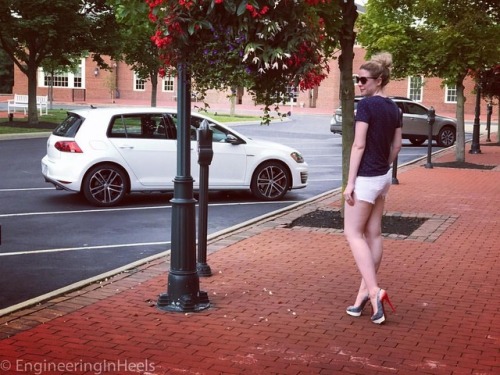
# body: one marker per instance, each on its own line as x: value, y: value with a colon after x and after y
x: 440, y: 38
x: 6, y: 73
x: 137, y: 49
x: 265, y: 46
x: 38, y: 30
x: 436, y: 38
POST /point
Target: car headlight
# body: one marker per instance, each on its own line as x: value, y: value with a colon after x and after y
x: 297, y: 157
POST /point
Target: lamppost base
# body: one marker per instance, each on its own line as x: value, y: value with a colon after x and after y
x: 203, y: 270
x: 474, y: 151
x: 186, y: 303
x: 429, y: 166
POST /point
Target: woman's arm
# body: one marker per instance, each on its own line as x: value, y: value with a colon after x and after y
x: 357, y: 150
x: 396, y: 145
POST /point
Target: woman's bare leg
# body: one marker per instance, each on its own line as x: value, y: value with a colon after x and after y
x: 363, y: 233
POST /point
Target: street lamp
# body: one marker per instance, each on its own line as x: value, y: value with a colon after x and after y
x: 183, y: 293
x: 475, y: 148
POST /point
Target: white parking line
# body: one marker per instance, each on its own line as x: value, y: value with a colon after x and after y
x: 26, y: 189
x: 82, y: 211
x: 81, y: 248
x: 130, y: 209
x: 323, y: 179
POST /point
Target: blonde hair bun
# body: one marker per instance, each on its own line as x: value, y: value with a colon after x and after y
x: 383, y: 58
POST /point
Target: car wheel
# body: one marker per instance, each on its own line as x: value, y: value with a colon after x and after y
x: 417, y: 141
x: 271, y: 181
x: 105, y: 185
x: 446, y: 137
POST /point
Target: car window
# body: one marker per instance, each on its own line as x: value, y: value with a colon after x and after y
x: 69, y: 127
x: 218, y: 134
x: 147, y: 126
x: 401, y: 106
x: 415, y: 109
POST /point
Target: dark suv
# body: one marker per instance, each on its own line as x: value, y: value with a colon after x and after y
x: 415, y: 123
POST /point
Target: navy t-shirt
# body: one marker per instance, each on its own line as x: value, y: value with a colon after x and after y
x: 383, y: 117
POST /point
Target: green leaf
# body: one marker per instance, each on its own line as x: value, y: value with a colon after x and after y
x: 242, y: 8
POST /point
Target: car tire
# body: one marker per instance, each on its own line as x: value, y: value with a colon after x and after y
x: 417, y: 141
x: 446, y: 137
x: 105, y: 185
x: 271, y: 181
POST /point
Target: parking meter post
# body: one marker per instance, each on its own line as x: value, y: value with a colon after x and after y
x: 205, y: 155
x: 489, y: 111
x: 183, y: 294
x: 431, y: 117
x: 475, y: 148
x: 395, y: 180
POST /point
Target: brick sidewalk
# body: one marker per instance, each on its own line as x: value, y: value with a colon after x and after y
x: 278, y: 298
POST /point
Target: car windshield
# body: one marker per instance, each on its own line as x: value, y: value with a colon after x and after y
x: 69, y: 127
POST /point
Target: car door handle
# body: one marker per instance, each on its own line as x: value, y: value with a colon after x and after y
x: 127, y: 147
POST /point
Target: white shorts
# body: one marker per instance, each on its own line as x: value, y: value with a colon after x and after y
x: 368, y: 189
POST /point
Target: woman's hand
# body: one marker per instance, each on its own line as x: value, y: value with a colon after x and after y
x: 349, y: 194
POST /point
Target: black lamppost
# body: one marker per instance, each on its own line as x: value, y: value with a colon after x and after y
x: 475, y: 148
x: 431, y: 118
x: 183, y: 294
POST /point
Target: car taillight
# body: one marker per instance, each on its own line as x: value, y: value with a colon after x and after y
x: 68, y: 146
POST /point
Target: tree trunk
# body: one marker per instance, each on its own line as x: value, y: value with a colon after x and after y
x: 498, y: 123
x: 154, y: 88
x: 460, y: 141
x: 232, y: 99
x: 347, y: 37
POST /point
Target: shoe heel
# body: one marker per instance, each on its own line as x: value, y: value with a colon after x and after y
x: 379, y: 317
x: 385, y: 297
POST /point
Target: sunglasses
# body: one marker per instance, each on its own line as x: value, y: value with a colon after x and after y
x: 363, y: 80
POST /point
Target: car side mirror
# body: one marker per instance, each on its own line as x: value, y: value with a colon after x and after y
x: 230, y: 138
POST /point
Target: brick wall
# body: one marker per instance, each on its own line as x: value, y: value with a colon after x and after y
x: 326, y: 97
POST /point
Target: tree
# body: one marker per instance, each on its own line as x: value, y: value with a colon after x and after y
x: 266, y: 46
x: 35, y: 30
x: 347, y: 37
x: 439, y: 38
x: 137, y: 49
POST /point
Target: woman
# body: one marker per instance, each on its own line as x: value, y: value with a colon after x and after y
x: 377, y: 141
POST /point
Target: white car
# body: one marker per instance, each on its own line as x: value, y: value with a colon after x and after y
x: 106, y: 153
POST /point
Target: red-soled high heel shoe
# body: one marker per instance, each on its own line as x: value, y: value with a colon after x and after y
x: 379, y: 316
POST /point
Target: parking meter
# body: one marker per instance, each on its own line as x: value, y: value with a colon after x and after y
x: 205, y: 155
x: 489, y: 111
x: 431, y: 116
x: 205, y: 151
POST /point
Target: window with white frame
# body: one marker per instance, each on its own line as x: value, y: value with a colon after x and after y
x: 139, y: 83
x: 69, y: 79
x: 292, y: 94
x: 451, y: 94
x: 168, y: 84
x: 415, y: 87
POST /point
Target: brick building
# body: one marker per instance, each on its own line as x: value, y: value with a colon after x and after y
x: 91, y: 84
